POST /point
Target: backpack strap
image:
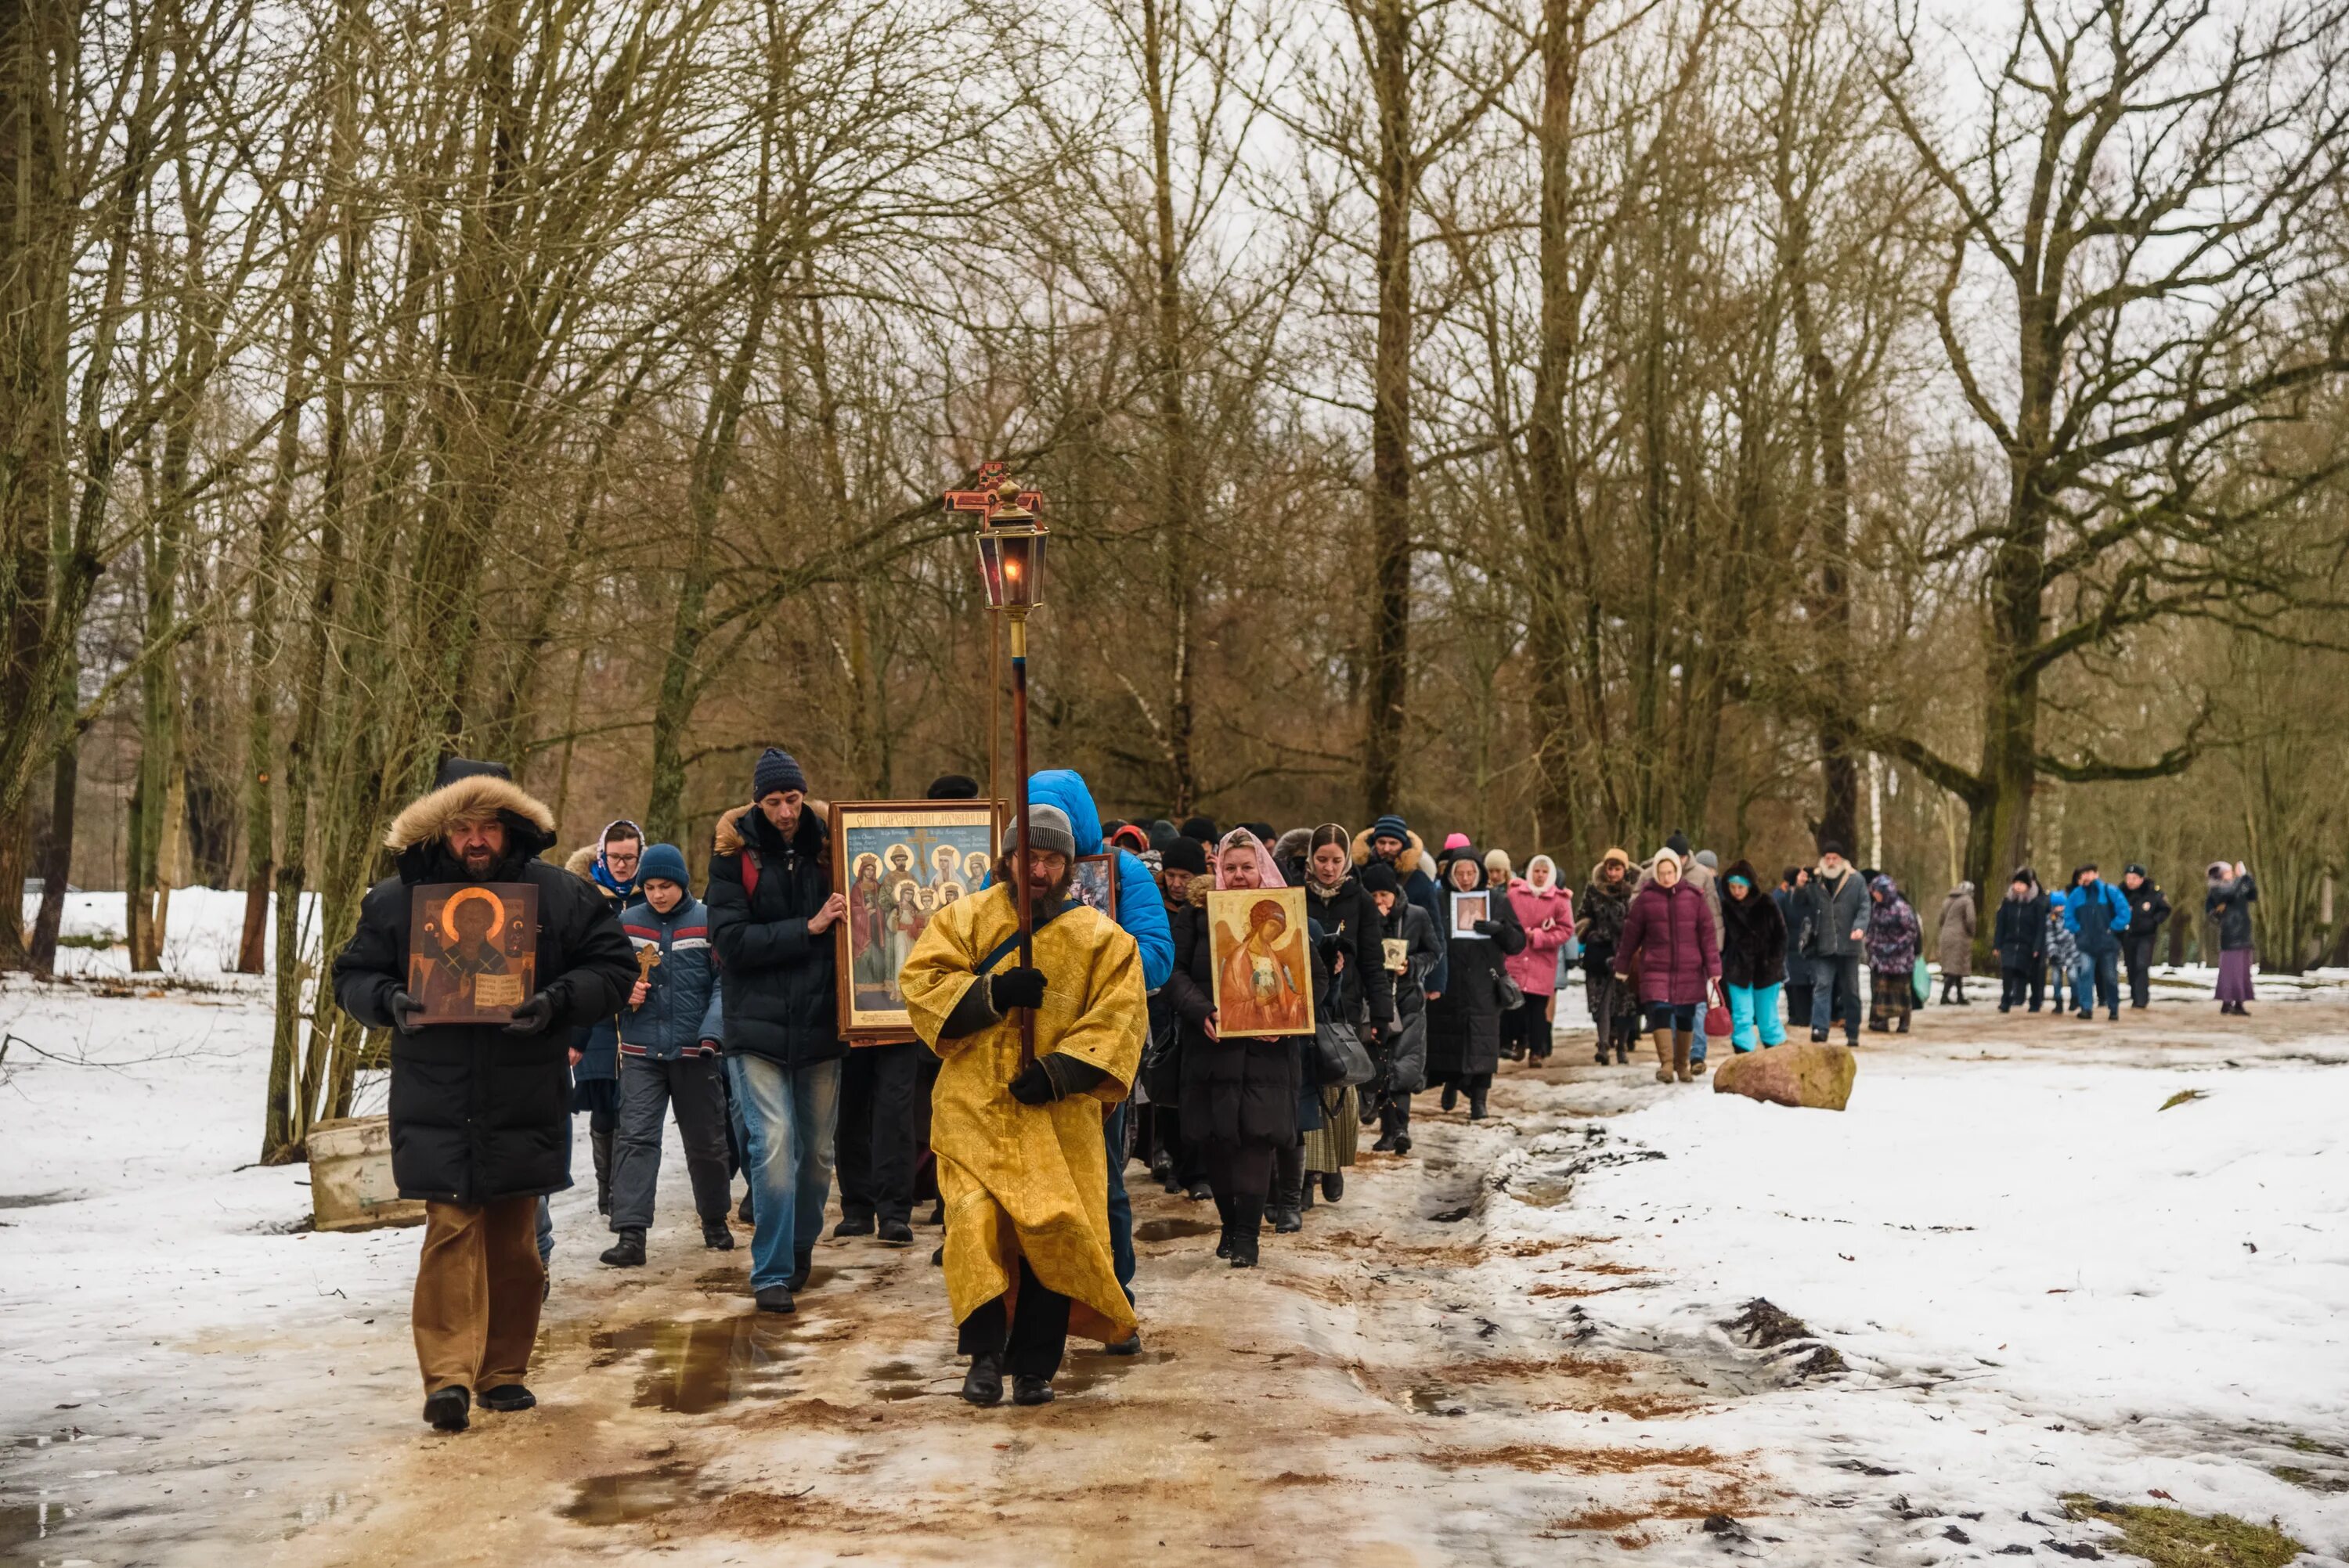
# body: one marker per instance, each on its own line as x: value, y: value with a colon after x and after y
x: 1010, y: 944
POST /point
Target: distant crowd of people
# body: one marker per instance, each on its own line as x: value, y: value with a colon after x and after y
x: 1033, y: 1082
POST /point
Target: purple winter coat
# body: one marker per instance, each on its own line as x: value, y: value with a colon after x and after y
x: 1669, y: 934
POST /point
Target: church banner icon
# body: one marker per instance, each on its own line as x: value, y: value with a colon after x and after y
x: 898, y: 862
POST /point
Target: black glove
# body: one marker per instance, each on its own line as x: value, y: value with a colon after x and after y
x: 1017, y: 988
x: 1486, y: 928
x: 405, y: 1010
x: 1328, y: 949
x: 533, y: 1016
x: 1054, y: 1076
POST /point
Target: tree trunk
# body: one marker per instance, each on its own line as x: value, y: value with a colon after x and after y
x: 1177, y: 482
x: 1555, y: 523
x: 260, y: 690
x: 57, y: 857
x: 1389, y: 27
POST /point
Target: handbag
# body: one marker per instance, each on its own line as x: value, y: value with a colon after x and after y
x: 1716, y: 1013
x: 1921, y: 981
x: 1506, y: 992
x: 1338, y: 1052
x: 1161, y: 1076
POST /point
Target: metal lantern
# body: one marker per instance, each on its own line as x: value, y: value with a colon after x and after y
x: 1011, y: 556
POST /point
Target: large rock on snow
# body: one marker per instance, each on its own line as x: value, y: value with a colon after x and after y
x: 1797, y: 1073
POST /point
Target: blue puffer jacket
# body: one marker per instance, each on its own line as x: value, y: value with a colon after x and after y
x: 2096, y: 914
x: 1140, y: 907
x: 680, y: 1011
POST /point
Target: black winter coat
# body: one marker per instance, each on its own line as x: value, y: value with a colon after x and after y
x: 2148, y: 907
x: 1364, y: 991
x: 1235, y: 1091
x: 1752, y: 941
x: 1464, y: 1023
x: 2230, y: 903
x: 478, y: 1114
x: 2019, y: 932
x: 776, y: 978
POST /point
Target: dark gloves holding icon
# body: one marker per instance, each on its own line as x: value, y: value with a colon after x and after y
x: 532, y: 1016
x: 405, y: 1010
x: 1486, y: 928
x: 1017, y: 988
x: 1054, y: 1076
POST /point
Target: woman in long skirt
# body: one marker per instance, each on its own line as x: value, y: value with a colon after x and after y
x: 2228, y: 901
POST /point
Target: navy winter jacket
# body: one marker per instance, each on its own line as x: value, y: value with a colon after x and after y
x: 680, y: 1009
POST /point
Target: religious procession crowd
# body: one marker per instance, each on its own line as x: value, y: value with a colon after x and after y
x: 1032, y: 1084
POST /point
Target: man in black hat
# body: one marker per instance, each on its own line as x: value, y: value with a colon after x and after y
x: 480, y: 1126
x: 771, y: 911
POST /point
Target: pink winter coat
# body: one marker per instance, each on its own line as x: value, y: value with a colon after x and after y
x: 1668, y: 933
x: 1536, y: 968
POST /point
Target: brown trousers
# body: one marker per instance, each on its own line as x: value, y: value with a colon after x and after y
x: 478, y: 1289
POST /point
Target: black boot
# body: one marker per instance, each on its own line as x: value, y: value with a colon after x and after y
x: 742, y: 1210
x: 897, y: 1233
x: 446, y: 1408
x: 629, y: 1251
x: 1308, y: 1189
x: 1476, y: 1104
x: 508, y: 1397
x: 1028, y: 1390
x: 716, y: 1236
x: 1224, y: 1243
x: 1451, y: 1096
x: 803, y: 1264
x: 1333, y: 1185
x: 983, y: 1384
x: 1248, y: 1229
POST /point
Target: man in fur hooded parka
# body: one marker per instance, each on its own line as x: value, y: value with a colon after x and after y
x: 481, y: 1124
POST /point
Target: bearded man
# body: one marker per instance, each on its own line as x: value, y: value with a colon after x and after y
x: 480, y: 1124
x: 1021, y: 1167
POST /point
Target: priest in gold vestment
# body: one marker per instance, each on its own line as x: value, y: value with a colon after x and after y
x: 1020, y: 1163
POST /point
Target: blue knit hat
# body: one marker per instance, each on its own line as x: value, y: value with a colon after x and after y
x: 664, y: 863
x: 778, y: 770
x: 1391, y: 826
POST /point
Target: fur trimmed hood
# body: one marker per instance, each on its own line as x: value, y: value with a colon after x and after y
x: 581, y: 863
x: 1414, y: 856
x: 429, y: 816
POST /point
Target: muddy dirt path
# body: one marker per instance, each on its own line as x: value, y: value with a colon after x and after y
x: 1415, y: 1380
x: 1370, y: 1391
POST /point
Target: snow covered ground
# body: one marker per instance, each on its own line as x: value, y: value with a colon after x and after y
x: 2042, y: 1281
x: 2048, y: 1282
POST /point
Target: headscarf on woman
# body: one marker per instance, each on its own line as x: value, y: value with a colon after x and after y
x: 1267, y: 869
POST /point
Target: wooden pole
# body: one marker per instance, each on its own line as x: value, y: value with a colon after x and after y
x: 1019, y: 816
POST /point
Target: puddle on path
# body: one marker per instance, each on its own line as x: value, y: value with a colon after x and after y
x: 36, y: 1200
x: 902, y: 1380
x: 1086, y: 1372
x: 1432, y: 1400
x: 695, y: 1366
x: 1174, y: 1229
x: 632, y: 1495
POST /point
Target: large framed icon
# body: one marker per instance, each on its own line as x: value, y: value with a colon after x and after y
x: 898, y: 863
x: 473, y: 951
x: 1263, y: 975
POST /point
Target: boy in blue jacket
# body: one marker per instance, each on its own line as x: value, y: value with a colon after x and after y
x: 669, y: 1060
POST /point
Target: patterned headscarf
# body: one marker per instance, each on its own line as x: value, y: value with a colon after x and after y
x: 1268, y: 869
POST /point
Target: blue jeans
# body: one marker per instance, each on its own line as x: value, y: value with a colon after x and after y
x: 1835, y: 988
x: 1121, y: 1207
x: 1696, y: 1037
x: 545, y: 1234
x: 2096, y: 978
x: 788, y: 1117
x: 1753, y: 1013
